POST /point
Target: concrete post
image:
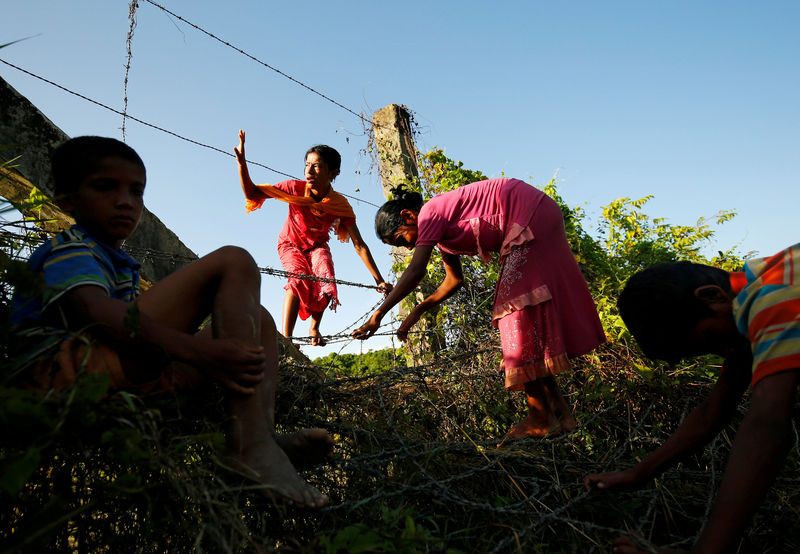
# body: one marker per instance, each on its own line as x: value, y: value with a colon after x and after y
x: 397, y: 159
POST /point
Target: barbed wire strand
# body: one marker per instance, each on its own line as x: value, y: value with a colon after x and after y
x: 128, y: 55
x: 257, y: 60
x: 164, y: 130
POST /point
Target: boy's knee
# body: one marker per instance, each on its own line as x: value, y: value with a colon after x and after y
x: 235, y: 258
x: 267, y: 322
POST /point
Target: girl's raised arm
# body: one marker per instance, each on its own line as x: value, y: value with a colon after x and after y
x: 249, y: 188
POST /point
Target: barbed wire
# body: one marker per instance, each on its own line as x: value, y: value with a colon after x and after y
x: 152, y: 254
x: 164, y: 130
x: 257, y: 60
x: 140, y: 121
x: 128, y: 55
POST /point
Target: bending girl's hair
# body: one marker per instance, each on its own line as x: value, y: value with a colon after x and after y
x: 388, y: 218
x: 74, y: 160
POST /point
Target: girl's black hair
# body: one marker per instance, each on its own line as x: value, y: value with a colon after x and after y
x: 74, y: 160
x: 329, y: 155
x: 388, y: 218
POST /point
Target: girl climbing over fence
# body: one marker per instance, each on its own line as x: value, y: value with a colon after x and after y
x: 542, y: 305
x: 314, y: 210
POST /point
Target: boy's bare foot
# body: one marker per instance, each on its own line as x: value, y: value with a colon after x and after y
x: 268, y: 465
x: 306, y: 447
x: 316, y: 337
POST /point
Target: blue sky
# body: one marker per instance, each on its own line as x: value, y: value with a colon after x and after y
x: 695, y: 103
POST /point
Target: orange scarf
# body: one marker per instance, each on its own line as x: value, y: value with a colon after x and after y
x: 334, y: 204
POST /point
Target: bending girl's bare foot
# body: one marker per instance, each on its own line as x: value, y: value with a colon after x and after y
x: 306, y: 447
x: 316, y: 337
x: 536, y: 427
x: 567, y: 423
x: 268, y: 465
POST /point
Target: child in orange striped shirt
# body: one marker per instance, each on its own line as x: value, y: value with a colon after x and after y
x: 752, y: 319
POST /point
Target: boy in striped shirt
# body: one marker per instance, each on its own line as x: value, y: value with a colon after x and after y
x: 90, y: 317
x: 751, y: 318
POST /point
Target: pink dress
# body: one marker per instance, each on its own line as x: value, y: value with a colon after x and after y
x: 303, y: 248
x: 542, y: 305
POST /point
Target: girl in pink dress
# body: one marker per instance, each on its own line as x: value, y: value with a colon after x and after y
x: 314, y: 210
x: 542, y: 306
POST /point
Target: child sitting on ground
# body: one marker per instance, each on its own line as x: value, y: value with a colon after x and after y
x: 92, y: 290
x: 750, y: 318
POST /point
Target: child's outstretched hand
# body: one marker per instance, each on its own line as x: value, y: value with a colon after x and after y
x: 613, y: 480
x: 239, y: 150
x: 368, y: 329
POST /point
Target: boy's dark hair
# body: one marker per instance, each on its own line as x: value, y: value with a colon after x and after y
x: 388, y: 218
x: 72, y: 161
x: 660, y: 309
x: 329, y: 155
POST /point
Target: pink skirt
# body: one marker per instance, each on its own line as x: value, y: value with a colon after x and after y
x: 314, y: 295
x: 542, y: 307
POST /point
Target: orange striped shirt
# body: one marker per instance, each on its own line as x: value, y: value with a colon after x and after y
x: 767, y: 310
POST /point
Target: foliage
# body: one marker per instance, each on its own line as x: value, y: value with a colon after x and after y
x: 359, y: 365
x: 17, y: 239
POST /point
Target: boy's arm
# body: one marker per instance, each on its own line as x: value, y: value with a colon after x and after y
x: 239, y: 366
x: 249, y: 188
x: 699, y: 427
x: 366, y: 256
x: 453, y: 279
x: 758, y: 452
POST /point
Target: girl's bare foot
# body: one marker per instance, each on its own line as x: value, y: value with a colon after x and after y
x: 316, y: 337
x: 306, y: 447
x: 538, y: 427
x: 268, y: 465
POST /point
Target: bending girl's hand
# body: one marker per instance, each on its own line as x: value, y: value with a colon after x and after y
x: 368, y: 329
x: 405, y: 327
x: 239, y: 150
x: 385, y: 288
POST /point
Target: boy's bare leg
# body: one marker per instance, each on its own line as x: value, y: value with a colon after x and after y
x: 226, y: 283
x: 313, y: 330
x: 291, y: 307
x: 548, y: 413
x: 253, y: 432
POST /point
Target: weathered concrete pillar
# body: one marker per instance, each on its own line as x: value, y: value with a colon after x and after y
x: 397, y: 159
x: 397, y: 154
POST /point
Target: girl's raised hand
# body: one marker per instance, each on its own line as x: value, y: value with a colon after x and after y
x: 239, y: 150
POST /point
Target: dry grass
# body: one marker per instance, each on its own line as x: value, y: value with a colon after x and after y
x: 416, y: 467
